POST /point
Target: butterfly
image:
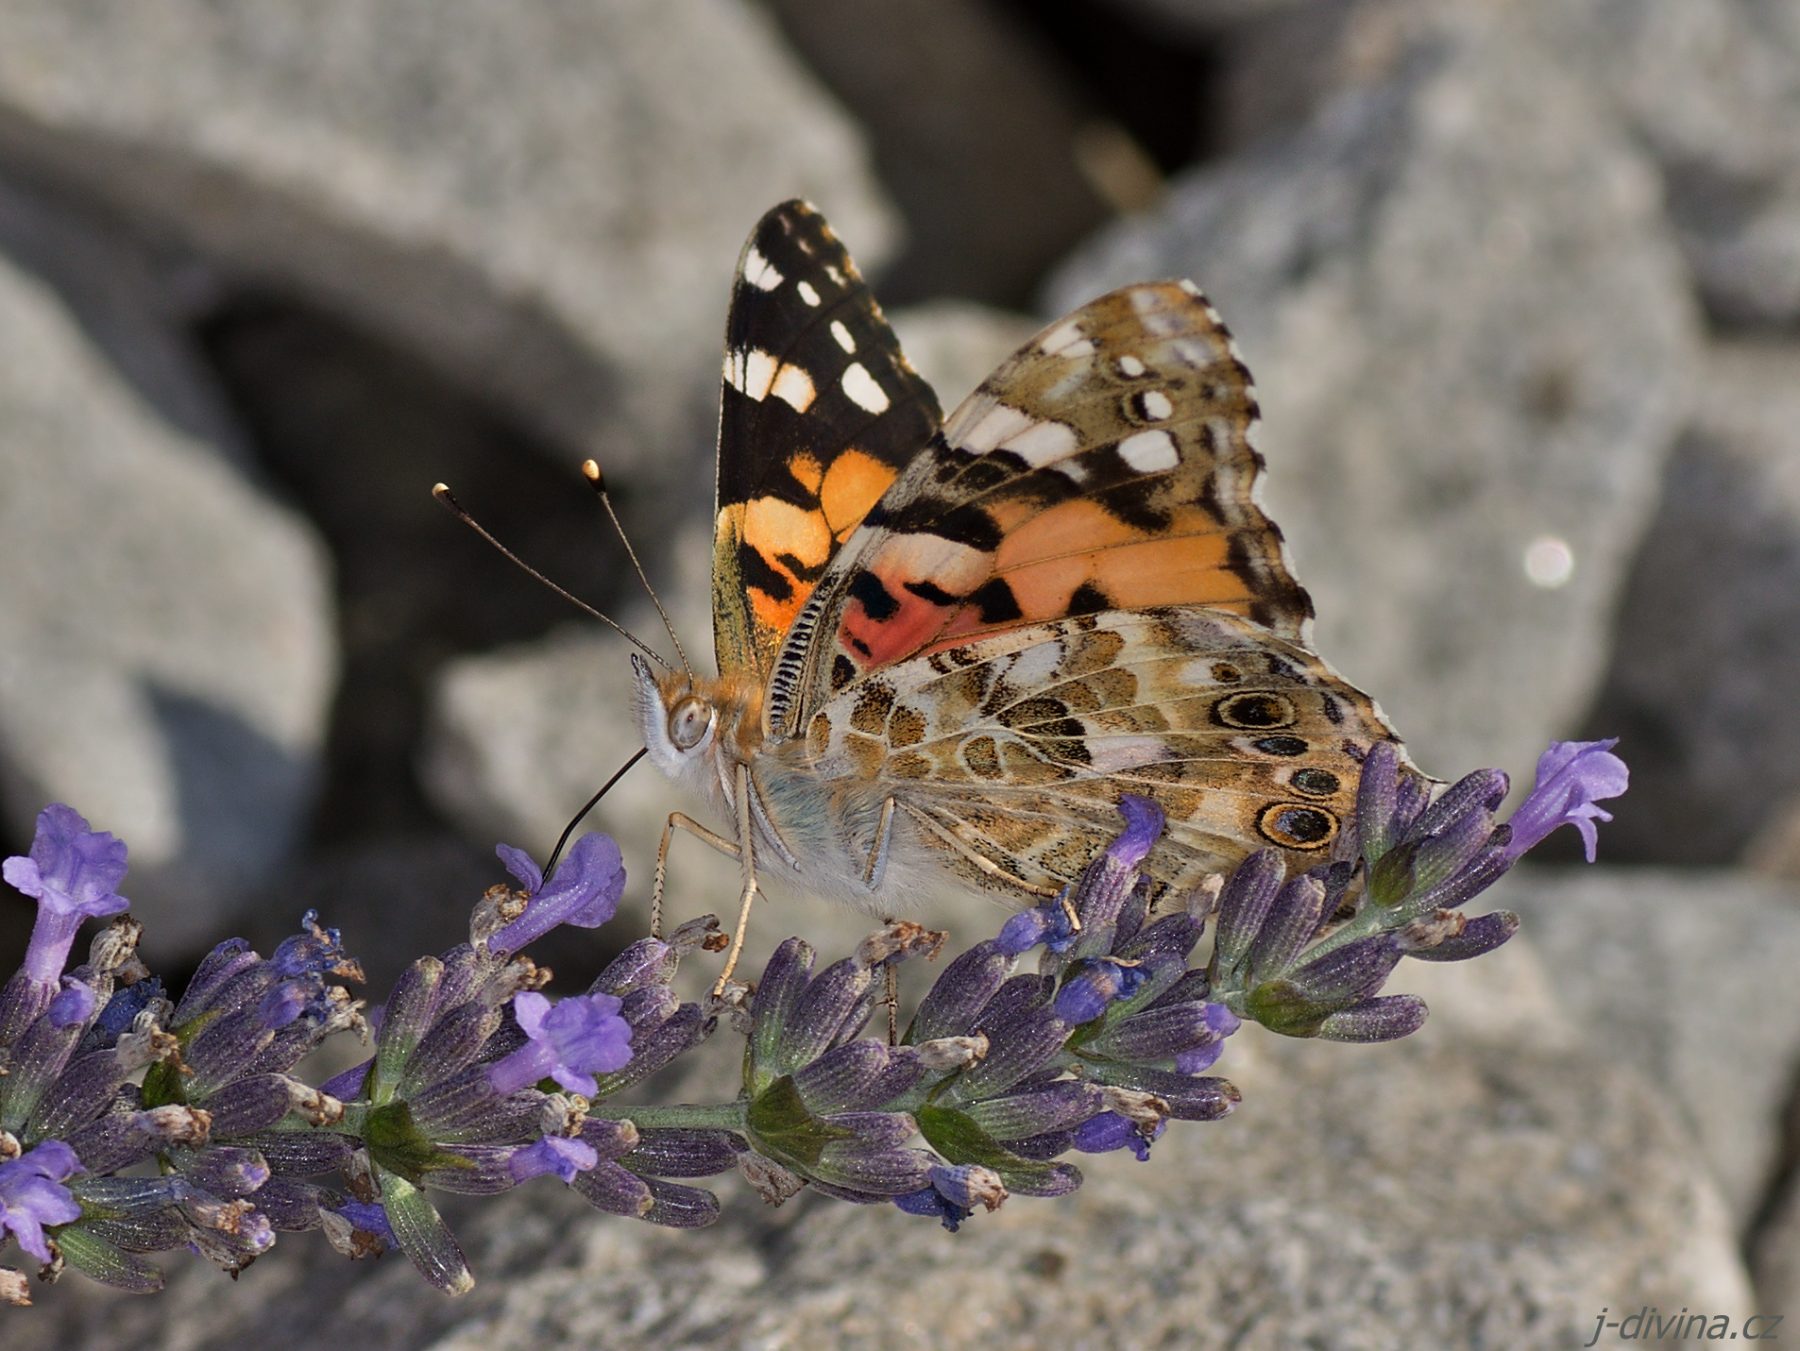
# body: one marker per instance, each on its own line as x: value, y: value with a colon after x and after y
x: 947, y: 647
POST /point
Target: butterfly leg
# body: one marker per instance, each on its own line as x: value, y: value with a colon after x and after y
x: 746, y: 855
x: 682, y: 821
x: 876, y: 867
x: 873, y: 871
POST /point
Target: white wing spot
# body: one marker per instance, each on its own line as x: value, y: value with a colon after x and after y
x: 794, y: 387
x: 842, y: 334
x: 1145, y: 299
x: 1035, y: 667
x: 993, y: 427
x: 1189, y: 287
x: 760, y: 272
x: 837, y: 278
x: 1072, y: 469
x: 1149, y: 452
x: 1156, y: 405
x: 810, y: 296
x: 750, y: 372
x: 1195, y: 354
x: 1130, y: 367
x: 1115, y: 754
x: 1066, y: 340
x: 862, y: 390
x: 1042, y: 443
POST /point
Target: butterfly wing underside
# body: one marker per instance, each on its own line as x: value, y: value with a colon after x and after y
x: 819, y: 411
x: 1073, y: 593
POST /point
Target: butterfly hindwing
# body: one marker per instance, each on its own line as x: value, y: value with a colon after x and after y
x: 1107, y: 465
x: 1012, y: 750
x: 819, y: 412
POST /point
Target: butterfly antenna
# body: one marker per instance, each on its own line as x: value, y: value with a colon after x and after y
x: 605, y: 788
x: 591, y: 471
x: 443, y: 495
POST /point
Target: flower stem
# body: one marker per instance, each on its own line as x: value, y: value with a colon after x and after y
x: 691, y: 1116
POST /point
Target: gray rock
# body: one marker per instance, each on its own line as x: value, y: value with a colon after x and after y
x: 1714, y: 92
x: 956, y: 345
x: 168, y: 631
x: 533, y: 197
x: 978, y: 131
x: 1707, y: 647
x: 1432, y: 1193
x: 1472, y: 352
x: 1200, y: 20
x: 1775, y: 1251
x: 1671, y: 973
x: 1711, y: 91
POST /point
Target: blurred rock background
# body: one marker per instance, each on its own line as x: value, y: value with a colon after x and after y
x: 1520, y: 281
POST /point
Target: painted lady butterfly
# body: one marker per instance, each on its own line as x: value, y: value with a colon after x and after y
x: 946, y: 650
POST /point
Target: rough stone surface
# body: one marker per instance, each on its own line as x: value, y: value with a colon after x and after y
x: 1201, y: 19
x: 533, y: 196
x: 1775, y: 1256
x: 1707, y: 650
x: 1711, y: 91
x: 968, y: 114
x: 166, y: 631
x: 1671, y: 973
x: 956, y: 345
x: 1467, y: 346
x: 1714, y: 91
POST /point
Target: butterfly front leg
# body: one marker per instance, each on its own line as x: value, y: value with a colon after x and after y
x: 681, y: 821
x: 873, y: 872
x: 740, y: 849
x: 746, y: 854
x: 876, y: 867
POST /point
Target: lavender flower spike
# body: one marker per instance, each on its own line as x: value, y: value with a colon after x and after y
x: 1571, y: 777
x: 72, y: 872
x: 584, y: 892
x: 32, y: 1195
x: 568, y: 1040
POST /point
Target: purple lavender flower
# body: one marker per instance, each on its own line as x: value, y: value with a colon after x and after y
x: 1110, y: 1130
x: 953, y: 1194
x: 553, y: 1154
x: 812, y: 1089
x: 32, y: 1195
x: 585, y: 891
x: 567, y: 1041
x: 1308, y: 957
x: 72, y: 871
x: 1571, y: 777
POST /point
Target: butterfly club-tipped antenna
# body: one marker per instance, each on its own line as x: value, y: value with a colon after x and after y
x: 590, y: 470
x: 456, y: 509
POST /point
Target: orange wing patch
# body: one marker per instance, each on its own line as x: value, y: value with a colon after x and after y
x: 818, y: 412
x: 789, y: 542
x: 1107, y: 465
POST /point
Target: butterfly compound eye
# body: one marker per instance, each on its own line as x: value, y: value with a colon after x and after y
x: 688, y: 722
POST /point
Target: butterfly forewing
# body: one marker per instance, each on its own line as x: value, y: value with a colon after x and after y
x: 1106, y: 465
x: 819, y: 412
